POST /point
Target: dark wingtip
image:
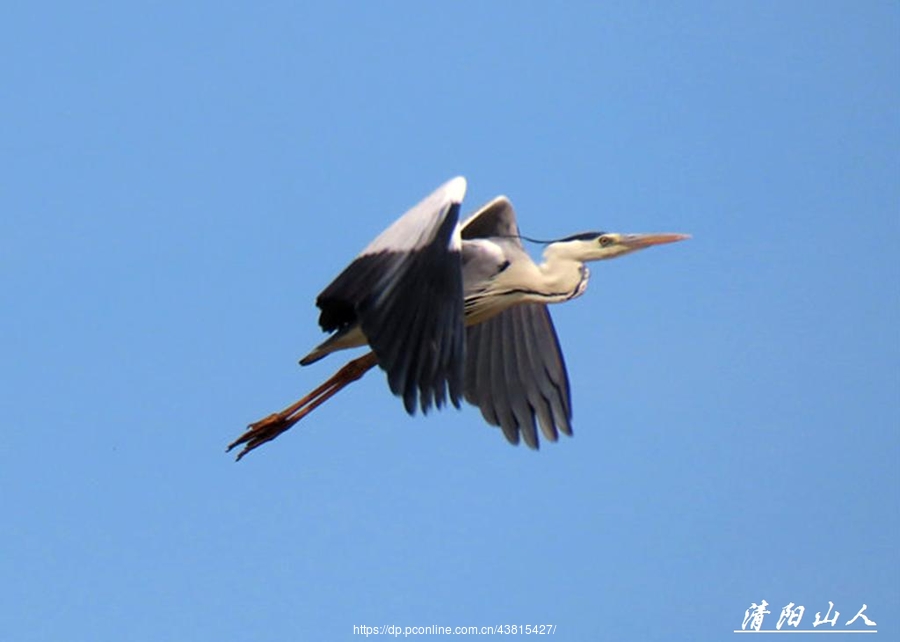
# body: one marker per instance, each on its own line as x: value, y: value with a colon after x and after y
x: 409, y: 401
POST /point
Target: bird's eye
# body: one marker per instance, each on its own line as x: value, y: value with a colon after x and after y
x: 604, y: 241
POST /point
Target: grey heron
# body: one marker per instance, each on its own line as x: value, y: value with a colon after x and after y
x: 458, y: 310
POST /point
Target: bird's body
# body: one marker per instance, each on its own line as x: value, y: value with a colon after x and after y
x: 515, y: 278
x: 497, y: 273
x: 459, y: 309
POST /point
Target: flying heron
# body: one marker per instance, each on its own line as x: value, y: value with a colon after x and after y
x: 457, y: 310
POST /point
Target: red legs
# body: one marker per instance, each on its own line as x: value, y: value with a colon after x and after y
x: 267, y: 429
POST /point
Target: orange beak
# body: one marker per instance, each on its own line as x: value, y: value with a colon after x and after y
x: 639, y: 241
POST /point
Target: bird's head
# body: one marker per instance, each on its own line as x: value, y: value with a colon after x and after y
x: 596, y: 246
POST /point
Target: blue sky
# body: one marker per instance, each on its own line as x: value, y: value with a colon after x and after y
x: 178, y: 183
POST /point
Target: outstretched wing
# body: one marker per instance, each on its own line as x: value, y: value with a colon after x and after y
x: 514, y: 367
x: 405, y: 293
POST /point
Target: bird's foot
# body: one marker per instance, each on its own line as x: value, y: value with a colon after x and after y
x: 264, y: 430
x: 269, y: 428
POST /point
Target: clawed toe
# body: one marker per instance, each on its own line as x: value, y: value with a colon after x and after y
x: 260, y: 432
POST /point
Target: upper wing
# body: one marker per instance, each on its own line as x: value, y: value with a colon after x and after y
x: 514, y: 367
x: 515, y: 372
x: 497, y: 218
x: 405, y: 292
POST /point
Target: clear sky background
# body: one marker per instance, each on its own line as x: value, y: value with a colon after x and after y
x: 178, y: 184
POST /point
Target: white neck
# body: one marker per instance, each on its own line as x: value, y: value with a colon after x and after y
x: 563, y: 276
x: 560, y: 277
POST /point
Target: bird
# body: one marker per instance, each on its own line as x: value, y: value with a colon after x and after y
x: 457, y: 310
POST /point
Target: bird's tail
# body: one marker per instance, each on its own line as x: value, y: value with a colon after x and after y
x: 351, y: 337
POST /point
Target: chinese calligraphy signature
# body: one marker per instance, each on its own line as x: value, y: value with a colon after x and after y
x: 791, y: 616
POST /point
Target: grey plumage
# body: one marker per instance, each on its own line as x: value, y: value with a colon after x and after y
x: 459, y: 310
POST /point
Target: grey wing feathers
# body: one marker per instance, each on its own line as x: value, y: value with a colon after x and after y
x: 497, y: 218
x: 417, y: 226
x: 405, y: 292
x: 515, y: 374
